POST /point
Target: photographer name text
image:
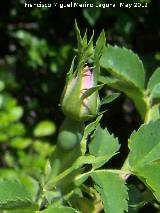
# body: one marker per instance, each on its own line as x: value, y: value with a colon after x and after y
x: 88, y: 5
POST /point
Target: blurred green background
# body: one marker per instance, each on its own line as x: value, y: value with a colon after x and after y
x: 36, y: 49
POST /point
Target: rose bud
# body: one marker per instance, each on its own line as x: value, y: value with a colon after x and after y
x: 80, y: 99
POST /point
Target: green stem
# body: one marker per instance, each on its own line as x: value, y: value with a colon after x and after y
x: 148, y: 116
x: 51, y: 183
x: 125, y: 165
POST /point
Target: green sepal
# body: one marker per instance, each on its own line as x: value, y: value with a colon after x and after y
x: 91, y: 91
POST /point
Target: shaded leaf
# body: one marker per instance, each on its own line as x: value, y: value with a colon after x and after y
x: 136, y: 95
x: 150, y: 175
x: 91, y: 14
x: 109, y: 98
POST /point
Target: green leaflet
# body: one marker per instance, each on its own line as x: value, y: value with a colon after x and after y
x: 156, y: 92
x: 154, y: 85
x: 127, y: 75
x: 144, y: 145
x: 144, y: 156
x: 103, y: 146
x: 154, y: 79
x: 112, y: 190
x: 13, y: 195
x: 123, y: 64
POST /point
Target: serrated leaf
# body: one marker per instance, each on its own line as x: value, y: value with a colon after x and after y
x: 144, y: 145
x: 28, y: 182
x: 127, y: 74
x: 13, y: 195
x: 154, y: 79
x: 58, y: 210
x: 150, y: 175
x: 44, y: 128
x: 124, y: 64
x: 112, y: 190
x: 31, y: 185
x: 103, y: 145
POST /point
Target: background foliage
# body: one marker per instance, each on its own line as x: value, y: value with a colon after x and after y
x: 37, y: 46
